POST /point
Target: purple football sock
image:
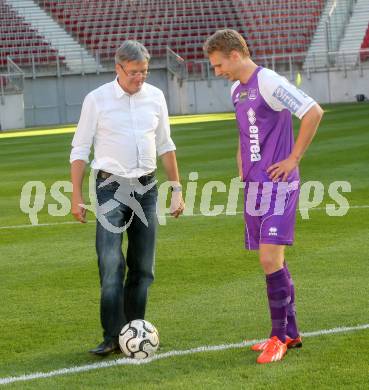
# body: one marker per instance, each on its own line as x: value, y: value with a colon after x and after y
x: 292, y: 329
x: 278, y: 289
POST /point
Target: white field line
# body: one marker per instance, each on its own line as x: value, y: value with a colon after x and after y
x: 161, y: 356
x: 183, y: 216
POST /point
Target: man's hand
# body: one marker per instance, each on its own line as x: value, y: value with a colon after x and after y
x: 282, y: 169
x: 176, y: 204
x: 78, y: 211
x: 170, y: 165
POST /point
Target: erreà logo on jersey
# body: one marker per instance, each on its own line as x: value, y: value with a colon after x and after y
x: 287, y: 99
x: 254, y: 136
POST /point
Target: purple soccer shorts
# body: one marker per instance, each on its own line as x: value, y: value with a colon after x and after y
x: 270, y: 213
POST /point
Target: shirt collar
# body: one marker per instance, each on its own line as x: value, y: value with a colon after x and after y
x: 119, y: 91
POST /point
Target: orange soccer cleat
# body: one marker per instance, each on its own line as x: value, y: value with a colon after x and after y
x: 273, y: 351
x: 291, y: 343
x: 260, y: 346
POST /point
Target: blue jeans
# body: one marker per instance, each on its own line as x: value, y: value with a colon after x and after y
x: 125, y: 300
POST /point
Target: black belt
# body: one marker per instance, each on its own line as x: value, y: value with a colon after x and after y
x: 142, y: 179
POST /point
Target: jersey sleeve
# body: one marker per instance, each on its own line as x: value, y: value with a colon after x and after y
x: 280, y: 94
x: 233, y: 88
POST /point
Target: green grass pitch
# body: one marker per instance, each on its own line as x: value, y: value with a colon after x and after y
x: 208, y: 289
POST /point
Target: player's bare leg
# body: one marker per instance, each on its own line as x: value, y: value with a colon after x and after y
x: 271, y: 257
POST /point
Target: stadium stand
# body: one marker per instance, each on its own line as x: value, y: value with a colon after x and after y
x: 182, y: 25
x: 279, y: 27
x: 270, y: 26
x: 21, y: 42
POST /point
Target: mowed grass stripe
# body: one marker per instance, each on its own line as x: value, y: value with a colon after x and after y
x: 174, y: 120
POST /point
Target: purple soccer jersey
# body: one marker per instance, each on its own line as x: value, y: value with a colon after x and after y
x: 264, y: 108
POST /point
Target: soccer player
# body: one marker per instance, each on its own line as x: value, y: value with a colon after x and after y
x: 268, y: 160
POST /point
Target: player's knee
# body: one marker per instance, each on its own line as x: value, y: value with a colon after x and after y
x: 266, y: 260
x: 269, y: 263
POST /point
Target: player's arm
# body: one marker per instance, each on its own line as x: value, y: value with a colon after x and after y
x: 78, y: 168
x: 166, y: 151
x: 309, y: 125
x: 169, y: 161
x: 81, y: 146
x: 239, y: 159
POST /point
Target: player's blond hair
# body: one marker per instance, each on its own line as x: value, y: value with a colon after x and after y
x: 226, y: 41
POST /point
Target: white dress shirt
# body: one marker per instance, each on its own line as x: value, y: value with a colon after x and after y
x: 127, y: 131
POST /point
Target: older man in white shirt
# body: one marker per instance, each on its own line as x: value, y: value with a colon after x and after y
x: 127, y: 123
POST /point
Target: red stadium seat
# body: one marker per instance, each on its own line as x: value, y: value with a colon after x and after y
x: 364, y: 53
x: 20, y: 41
